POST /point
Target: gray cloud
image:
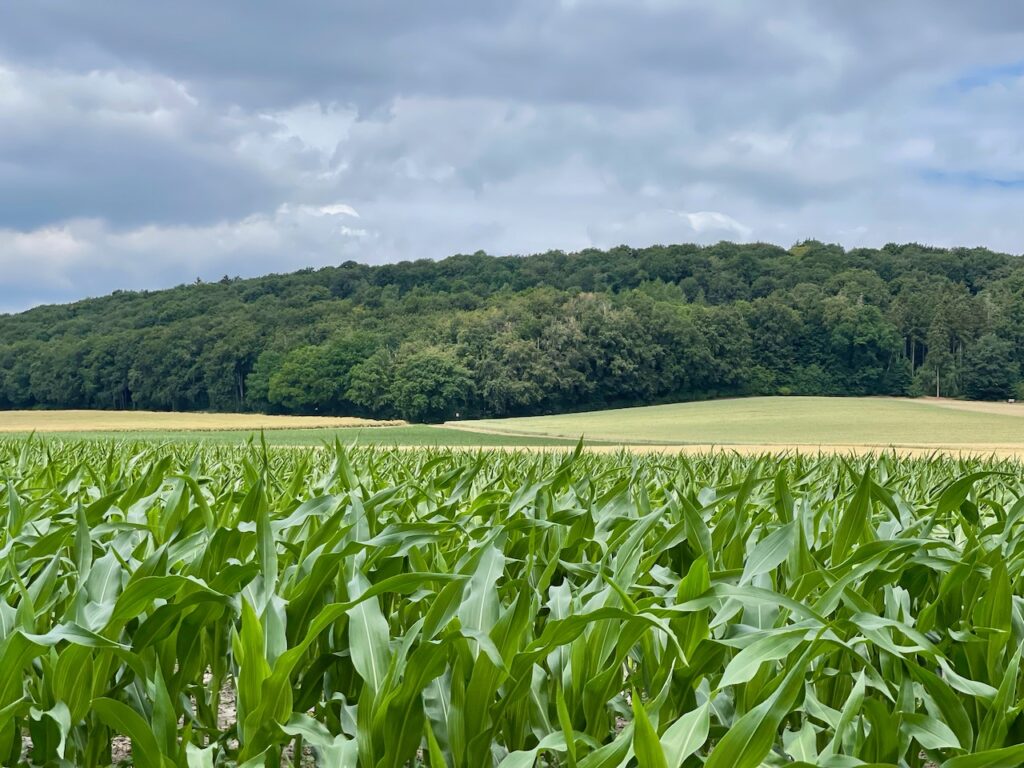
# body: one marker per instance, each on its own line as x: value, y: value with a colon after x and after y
x: 144, y: 145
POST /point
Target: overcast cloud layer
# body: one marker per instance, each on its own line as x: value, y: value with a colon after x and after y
x: 144, y: 145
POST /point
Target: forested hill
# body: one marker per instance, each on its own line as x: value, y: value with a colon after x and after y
x: 481, y: 335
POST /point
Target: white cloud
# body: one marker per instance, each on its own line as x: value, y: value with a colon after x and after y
x: 335, y: 209
x: 152, y: 101
x: 321, y: 127
x: 704, y: 222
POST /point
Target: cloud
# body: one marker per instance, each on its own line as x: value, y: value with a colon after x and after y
x: 302, y: 135
x: 334, y: 209
x: 713, y: 221
x: 124, y: 146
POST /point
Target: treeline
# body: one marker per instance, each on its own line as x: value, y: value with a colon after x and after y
x: 476, y: 335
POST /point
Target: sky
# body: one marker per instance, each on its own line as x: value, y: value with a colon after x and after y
x: 144, y: 145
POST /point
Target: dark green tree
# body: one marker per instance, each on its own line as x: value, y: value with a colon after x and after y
x: 430, y: 384
x: 371, y: 383
x: 990, y: 370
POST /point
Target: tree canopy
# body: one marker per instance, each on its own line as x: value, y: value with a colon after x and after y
x: 494, y: 336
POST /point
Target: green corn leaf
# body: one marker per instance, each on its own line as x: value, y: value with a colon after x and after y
x: 750, y: 739
x: 852, y: 524
x: 929, y: 732
x: 772, y: 647
x: 122, y: 719
x: 1007, y: 757
x: 368, y: 636
x: 686, y: 735
x: 770, y: 552
x: 646, y: 744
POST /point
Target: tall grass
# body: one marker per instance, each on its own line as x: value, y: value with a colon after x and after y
x: 366, y: 607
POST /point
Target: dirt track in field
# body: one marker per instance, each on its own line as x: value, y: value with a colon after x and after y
x: 974, y: 406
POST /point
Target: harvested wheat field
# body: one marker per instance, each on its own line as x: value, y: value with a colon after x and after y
x: 140, y: 421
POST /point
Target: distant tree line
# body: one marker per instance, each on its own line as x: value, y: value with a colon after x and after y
x: 486, y: 336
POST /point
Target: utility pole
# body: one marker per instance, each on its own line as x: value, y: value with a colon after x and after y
x: 936, y: 381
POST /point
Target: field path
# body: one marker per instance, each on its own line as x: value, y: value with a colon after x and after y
x: 999, y: 408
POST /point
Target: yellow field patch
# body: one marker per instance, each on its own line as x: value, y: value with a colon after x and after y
x: 133, y: 421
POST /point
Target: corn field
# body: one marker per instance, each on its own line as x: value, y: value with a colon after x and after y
x: 203, y: 606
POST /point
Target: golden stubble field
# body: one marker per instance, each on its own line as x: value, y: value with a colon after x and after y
x: 136, y: 421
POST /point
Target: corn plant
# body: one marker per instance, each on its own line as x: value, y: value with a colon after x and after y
x: 182, y: 606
